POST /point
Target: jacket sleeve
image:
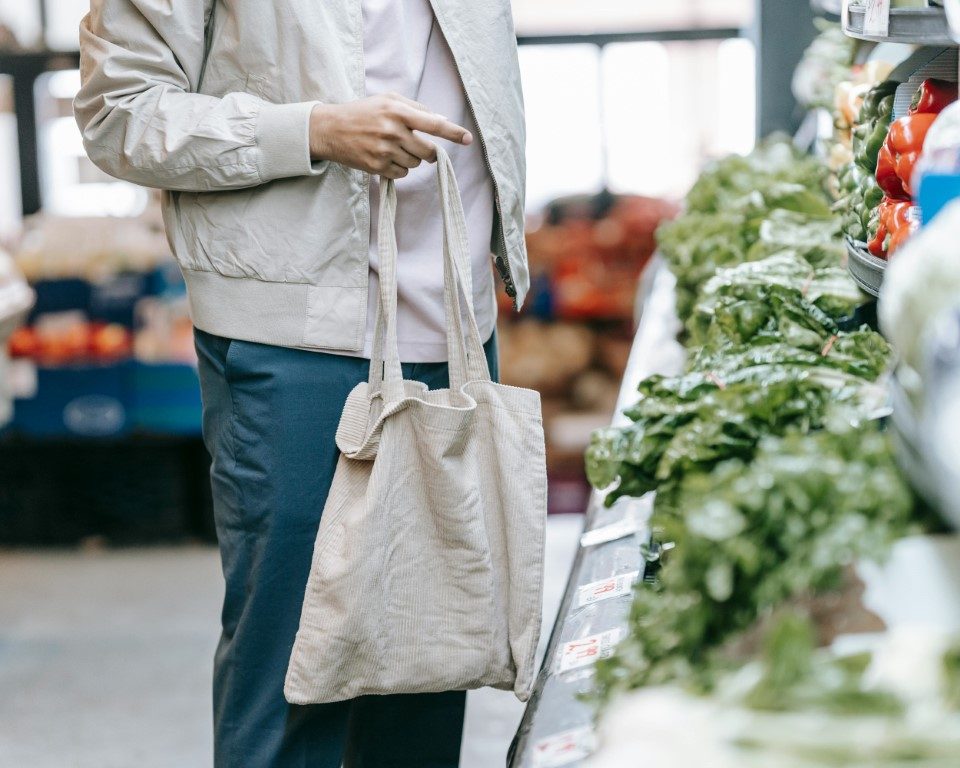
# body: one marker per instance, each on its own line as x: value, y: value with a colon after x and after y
x: 142, y: 120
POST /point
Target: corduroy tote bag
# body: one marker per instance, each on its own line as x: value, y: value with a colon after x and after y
x: 427, y: 573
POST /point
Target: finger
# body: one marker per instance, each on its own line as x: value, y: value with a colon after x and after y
x: 404, y: 159
x: 418, y: 146
x: 437, y: 125
x: 395, y: 171
x: 410, y: 102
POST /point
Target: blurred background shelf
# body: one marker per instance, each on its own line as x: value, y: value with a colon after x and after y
x: 14, y: 62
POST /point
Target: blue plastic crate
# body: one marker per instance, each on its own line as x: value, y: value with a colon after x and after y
x: 79, y: 400
x: 70, y: 294
x: 111, y: 300
x: 114, y: 299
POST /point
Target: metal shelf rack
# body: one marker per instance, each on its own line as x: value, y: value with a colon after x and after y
x: 557, y: 727
x: 865, y: 268
x: 913, y: 26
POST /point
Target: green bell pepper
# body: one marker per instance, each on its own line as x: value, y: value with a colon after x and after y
x: 873, y: 98
x: 868, y: 146
x: 871, y: 192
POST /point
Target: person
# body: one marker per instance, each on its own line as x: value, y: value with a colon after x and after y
x: 268, y: 124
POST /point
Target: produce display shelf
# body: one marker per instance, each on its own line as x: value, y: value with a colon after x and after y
x: 912, y: 26
x: 865, y: 268
x: 557, y: 726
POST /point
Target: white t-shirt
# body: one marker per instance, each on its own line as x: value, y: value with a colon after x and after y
x: 405, y: 52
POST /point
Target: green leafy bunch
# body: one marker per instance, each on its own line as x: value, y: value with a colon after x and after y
x: 750, y: 535
x: 800, y: 293
x: 747, y: 207
x: 770, y: 363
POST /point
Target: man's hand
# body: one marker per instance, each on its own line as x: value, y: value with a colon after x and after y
x: 376, y: 134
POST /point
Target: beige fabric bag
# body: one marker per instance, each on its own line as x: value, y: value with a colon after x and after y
x: 427, y: 573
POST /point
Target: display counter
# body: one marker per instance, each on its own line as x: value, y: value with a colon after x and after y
x: 557, y: 727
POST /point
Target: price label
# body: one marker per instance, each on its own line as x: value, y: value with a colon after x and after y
x: 586, y: 651
x: 876, y: 20
x: 605, y: 589
x: 564, y: 748
x: 618, y: 530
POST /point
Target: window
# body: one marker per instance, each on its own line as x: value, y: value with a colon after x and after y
x: 635, y: 117
x: 578, y: 16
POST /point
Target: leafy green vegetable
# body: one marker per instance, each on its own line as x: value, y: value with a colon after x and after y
x: 860, y: 353
x: 745, y: 208
x: 951, y: 673
x: 742, y: 314
x: 824, y: 65
x: 750, y: 535
x: 795, y: 678
x: 696, y: 245
x: 830, y: 288
x: 771, y: 479
x: 815, y: 240
x: 767, y: 365
x: 725, y: 181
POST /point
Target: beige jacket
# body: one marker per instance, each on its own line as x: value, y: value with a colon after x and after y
x: 210, y: 101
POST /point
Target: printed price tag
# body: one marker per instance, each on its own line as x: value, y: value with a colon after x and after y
x: 586, y: 651
x: 564, y: 748
x: 625, y: 527
x: 876, y: 21
x: 615, y: 586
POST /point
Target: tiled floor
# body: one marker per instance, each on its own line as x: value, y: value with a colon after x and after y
x: 105, y: 658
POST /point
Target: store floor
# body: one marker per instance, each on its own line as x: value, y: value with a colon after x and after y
x: 105, y: 658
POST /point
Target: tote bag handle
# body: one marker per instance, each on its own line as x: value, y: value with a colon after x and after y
x: 466, y: 358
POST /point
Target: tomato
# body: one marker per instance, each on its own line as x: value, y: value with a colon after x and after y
x: 110, y: 342
x: 23, y: 343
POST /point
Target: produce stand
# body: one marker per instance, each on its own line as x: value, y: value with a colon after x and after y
x: 598, y: 610
x: 101, y: 365
x: 557, y: 726
x: 928, y: 30
x: 913, y: 26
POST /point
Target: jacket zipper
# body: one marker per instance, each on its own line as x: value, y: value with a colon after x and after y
x: 502, y: 261
x: 207, y: 43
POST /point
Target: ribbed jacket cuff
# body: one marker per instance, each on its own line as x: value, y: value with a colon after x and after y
x: 283, y: 141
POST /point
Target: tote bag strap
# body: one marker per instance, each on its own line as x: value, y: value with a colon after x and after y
x: 465, y: 355
x: 386, y: 375
x: 466, y: 358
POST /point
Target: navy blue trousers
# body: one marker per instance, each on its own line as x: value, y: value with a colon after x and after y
x: 269, y: 419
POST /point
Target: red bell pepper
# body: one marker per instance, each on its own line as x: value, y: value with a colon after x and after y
x: 886, y: 174
x: 900, y: 152
x: 932, y: 96
x: 897, y: 221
